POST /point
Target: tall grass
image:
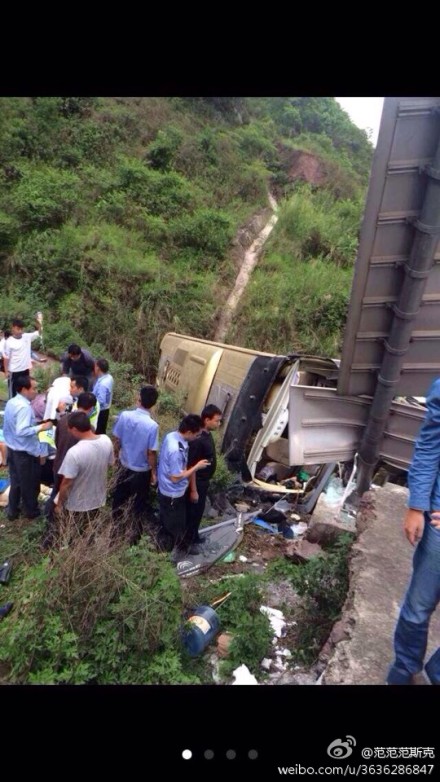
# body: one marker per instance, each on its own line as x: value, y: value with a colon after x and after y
x: 297, y: 298
x: 292, y: 305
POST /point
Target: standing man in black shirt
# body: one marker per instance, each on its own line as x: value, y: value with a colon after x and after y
x: 202, y: 447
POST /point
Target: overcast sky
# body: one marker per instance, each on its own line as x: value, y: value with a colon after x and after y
x: 364, y: 112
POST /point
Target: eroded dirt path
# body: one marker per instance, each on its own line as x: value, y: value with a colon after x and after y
x: 250, y: 259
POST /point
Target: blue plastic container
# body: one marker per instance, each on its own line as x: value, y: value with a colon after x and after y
x: 202, y: 627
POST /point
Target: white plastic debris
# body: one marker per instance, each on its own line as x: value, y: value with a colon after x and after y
x: 333, y: 492
x: 276, y: 619
x: 266, y: 663
x: 298, y: 529
x: 242, y: 558
x: 295, y: 516
x: 242, y: 675
x: 280, y: 664
x: 215, y: 663
x: 284, y: 652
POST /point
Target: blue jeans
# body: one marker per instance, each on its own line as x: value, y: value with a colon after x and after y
x: 421, y: 599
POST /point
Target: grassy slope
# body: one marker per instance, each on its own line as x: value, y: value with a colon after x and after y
x: 117, y: 216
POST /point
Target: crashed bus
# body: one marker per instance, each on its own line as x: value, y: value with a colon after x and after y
x: 284, y: 425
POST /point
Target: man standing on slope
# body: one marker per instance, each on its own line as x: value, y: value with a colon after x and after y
x: 136, y: 446
x: 103, y: 390
x: 173, y: 478
x: 422, y: 526
x: 17, y: 353
x: 84, y: 470
x: 25, y: 452
x: 203, y: 447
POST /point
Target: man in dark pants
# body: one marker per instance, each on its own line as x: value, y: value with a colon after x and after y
x: 136, y: 444
x: 103, y: 390
x: 202, y: 447
x: 25, y: 451
x: 64, y: 440
x: 84, y: 474
x: 173, y: 477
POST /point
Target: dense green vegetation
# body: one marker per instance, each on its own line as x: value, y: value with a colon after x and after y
x: 297, y: 298
x: 117, y: 217
x: 100, y: 612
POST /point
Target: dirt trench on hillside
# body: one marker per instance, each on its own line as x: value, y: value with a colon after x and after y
x: 249, y: 262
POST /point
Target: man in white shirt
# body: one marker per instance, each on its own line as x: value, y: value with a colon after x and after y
x: 59, y: 390
x: 17, y: 353
x: 84, y: 471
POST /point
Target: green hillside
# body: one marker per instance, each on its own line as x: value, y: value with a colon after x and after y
x: 117, y: 217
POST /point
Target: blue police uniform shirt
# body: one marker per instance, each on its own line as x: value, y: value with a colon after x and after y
x: 20, y: 429
x: 103, y: 390
x: 173, y: 458
x: 138, y: 434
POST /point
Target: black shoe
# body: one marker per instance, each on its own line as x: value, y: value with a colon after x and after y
x: 194, y: 549
x: 198, y: 540
x: 5, y: 572
x: 177, y: 554
x: 11, y: 518
x: 4, y: 610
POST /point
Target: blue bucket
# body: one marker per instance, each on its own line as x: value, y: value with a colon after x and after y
x: 202, y: 627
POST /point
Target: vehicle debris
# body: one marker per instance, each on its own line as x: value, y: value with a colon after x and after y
x: 276, y: 619
x: 242, y: 675
x: 303, y: 551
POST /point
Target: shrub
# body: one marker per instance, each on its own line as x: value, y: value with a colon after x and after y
x: 166, y: 194
x: 241, y: 616
x: 169, y: 403
x: 162, y: 151
x: 223, y: 477
x: 208, y: 230
x: 323, y: 584
x: 45, y: 198
x: 9, y: 233
x: 96, y: 612
x: 254, y: 141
